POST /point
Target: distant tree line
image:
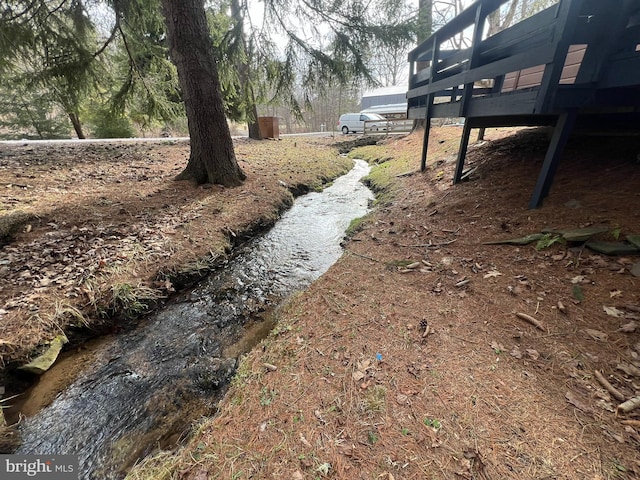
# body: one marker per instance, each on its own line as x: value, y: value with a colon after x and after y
x: 116, y: 68
x: 103, y: 66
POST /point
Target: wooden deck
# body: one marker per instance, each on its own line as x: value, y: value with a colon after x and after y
x: 575, y: 63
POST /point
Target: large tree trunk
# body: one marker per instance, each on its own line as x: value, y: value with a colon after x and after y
x: 212, y: 158
x: 253, y: 125
x: 77, y: 126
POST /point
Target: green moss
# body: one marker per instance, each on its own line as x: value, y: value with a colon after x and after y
x: 355, y: 226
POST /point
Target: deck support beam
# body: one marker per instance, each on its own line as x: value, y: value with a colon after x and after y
x: 561, y: 133
x: 427, y: 130
x: 462, y: 151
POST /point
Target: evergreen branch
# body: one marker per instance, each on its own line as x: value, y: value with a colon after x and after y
x: 24, y: 12
x: 55, y: 10
x: 132, y: 63
x: 107, y: 42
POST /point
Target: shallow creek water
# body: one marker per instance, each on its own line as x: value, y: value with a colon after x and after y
x: 144, y: 389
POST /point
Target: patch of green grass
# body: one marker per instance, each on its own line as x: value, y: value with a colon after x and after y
x: 267, y: 396
x: 66, y: 314
x: 549, y: 239
x: 615, y: 233
x: 399, y: 263
x: 433, y: 423
x: 355, y: 226
x: 160, y: 466
x: 280, y: 329
x: 375, y: 399
x: 131, y: 301
x: 324, y: 469
x: 618, y: 469
x: 387, y: 164
x: 577, y: 293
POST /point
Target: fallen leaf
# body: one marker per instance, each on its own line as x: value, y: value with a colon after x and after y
x: 319, y: 416
x: 357, y: 375
x: 346, y: 450
x: 613, y: 311
x: 573, y: 399
x: 628, y: 327
x: 615, y: 293
x: 515, y: 352
x: 578, y: 234
x: 363, y: 365
x: 578, y: 279
x: 492, y: 274
x: 596, y: 334
x: 533, y: 354
x: 304, y: 441
x: 202, y: 475
x: 629, y: 369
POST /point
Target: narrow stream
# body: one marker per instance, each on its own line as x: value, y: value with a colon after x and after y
x: 145, y: 388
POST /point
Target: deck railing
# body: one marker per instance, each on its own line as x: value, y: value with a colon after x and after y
x: 577, y: 57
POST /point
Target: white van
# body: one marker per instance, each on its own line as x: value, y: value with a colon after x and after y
x: 354, y: 122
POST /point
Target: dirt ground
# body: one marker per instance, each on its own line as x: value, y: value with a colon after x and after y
x: 406, y: 360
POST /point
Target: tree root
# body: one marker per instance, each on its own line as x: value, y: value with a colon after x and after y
x: 610, y: 388
x: 629, y: 405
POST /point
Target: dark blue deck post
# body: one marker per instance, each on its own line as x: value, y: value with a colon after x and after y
x: 462, y: 151
x: 482, y: 10
x: 435, y: 51
x: 561, y: 134
x: 427, y: 130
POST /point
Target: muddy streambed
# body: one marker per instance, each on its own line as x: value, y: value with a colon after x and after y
x: 144, y: 389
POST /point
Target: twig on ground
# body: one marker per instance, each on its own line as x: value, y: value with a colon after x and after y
x: 610, y: 388
x: 631, y: 423
x: 441, y: 244
x: 629, y: 405
x: 362, y: 256
x: 463, y: 339
x: 562, y: 308
x: 350, y: 327
x: 427, y: 245
x: 531, y: 320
